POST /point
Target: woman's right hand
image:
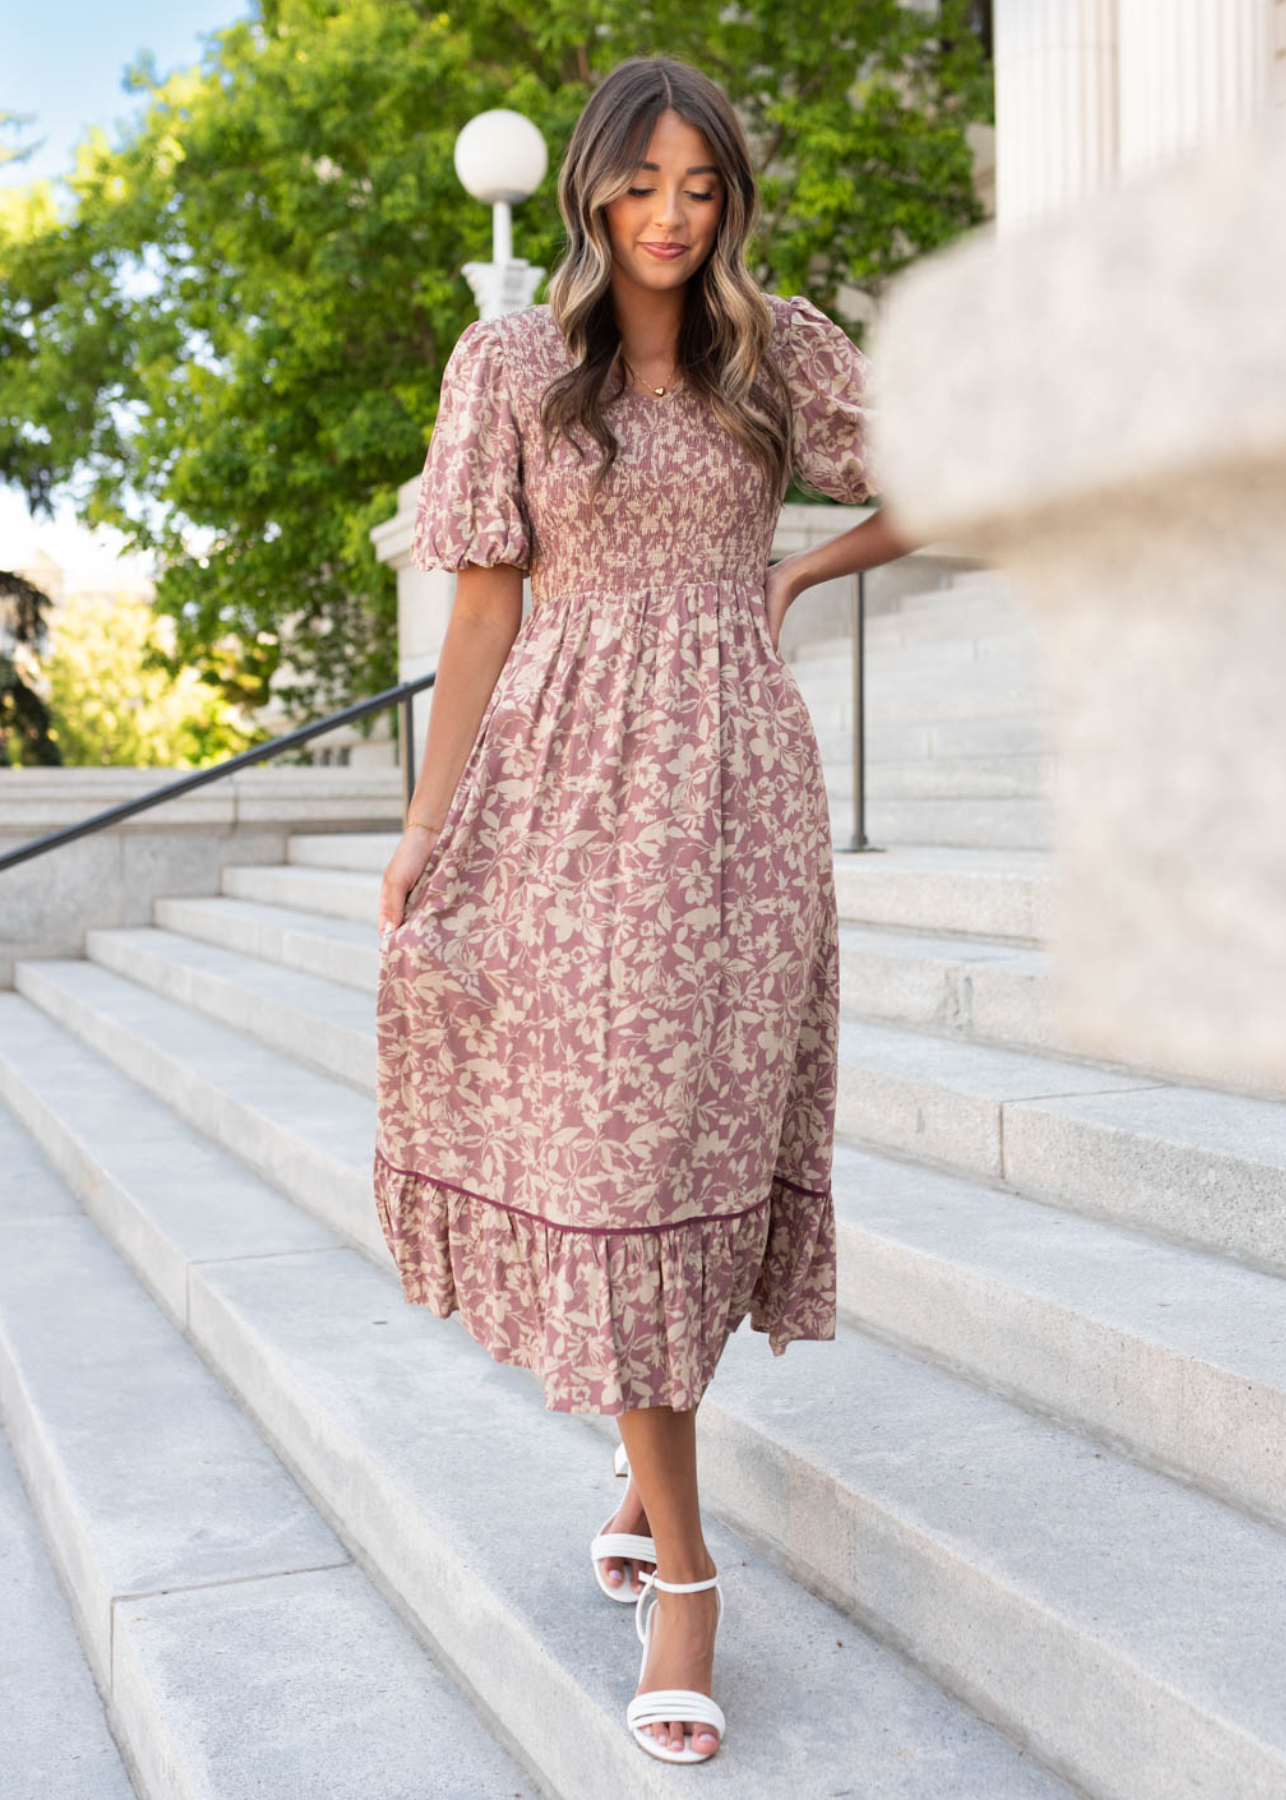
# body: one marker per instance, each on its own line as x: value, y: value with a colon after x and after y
x: 405, y: 867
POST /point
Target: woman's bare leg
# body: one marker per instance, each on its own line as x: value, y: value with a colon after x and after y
x: 662, y: 1447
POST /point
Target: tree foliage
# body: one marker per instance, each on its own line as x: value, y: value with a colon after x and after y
x: 112, y: 697
x: 25, y: 734
x: 229, y: 340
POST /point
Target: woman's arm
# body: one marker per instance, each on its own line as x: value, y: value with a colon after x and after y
x: 876, y: 540
x: 485, y: 616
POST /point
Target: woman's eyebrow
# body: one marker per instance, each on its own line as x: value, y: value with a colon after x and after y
x: 695, y: 169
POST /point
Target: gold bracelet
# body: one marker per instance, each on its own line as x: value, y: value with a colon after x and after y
x: 414, y: 824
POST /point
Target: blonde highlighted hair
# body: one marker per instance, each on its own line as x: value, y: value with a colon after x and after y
x: 724, y: 336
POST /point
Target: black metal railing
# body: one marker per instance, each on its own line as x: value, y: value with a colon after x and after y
x: 401, y: 696
x: 860, y: 841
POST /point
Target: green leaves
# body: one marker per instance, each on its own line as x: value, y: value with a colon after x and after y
x: 230, y: 333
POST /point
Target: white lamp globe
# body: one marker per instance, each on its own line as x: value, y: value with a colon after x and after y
x: 500, y: 155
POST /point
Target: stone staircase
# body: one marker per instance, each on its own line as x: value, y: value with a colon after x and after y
x: 1019, y: 1532
x: 956, y: 737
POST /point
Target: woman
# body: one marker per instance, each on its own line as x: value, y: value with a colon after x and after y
x: 608, y: 998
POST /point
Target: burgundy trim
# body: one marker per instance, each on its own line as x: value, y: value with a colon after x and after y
x: 600, y: 1230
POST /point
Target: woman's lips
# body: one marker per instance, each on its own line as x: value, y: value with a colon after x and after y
x: 666, y: 251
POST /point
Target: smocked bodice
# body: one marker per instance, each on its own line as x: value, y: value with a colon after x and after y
x: 684, y: 503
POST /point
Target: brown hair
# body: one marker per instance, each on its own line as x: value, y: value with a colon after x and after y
x: 723, y: 348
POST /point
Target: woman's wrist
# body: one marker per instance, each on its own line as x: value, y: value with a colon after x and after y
x: 419, y: 825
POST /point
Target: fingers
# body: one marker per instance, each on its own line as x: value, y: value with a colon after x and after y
x: 392, y: 910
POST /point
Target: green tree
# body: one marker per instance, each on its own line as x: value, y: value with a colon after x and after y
x: 113, y: 699
x: 234, y: 332
x: 25, y: 735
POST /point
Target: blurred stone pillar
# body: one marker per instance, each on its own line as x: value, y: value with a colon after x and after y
x: 1097, y: 404
x: 1190, y: 71
x: 1092, y: 91
x: 424, y: 601
x: 1055, y: 72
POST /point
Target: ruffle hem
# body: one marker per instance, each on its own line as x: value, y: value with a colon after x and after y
x: 612, y: 1320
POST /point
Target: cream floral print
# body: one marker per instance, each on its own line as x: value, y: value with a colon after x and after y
x: 607, y: 1023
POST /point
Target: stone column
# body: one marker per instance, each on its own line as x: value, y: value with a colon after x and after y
x: 1055, y: 72
x: 1190, y: 71
x: 1111, y: 429
x: 424, y: 601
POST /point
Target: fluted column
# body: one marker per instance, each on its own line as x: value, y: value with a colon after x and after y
x: 1056, y: 105
x: 1190, y: 71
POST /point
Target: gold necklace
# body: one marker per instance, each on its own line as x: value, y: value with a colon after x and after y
x: 633, y: 371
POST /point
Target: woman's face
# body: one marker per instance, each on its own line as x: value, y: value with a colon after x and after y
x: 676, y: 197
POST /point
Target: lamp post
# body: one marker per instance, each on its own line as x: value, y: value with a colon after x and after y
x: 501, y: 159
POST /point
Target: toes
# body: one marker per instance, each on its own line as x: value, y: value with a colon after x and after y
x: 704, y: 1737
x: 613, y: 1571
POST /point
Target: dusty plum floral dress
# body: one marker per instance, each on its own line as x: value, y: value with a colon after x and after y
x: 607, y: 1024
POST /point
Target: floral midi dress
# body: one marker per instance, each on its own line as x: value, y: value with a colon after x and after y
x: 607, y: 1023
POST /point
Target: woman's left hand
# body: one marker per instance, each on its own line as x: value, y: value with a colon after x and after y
x: 779, y: 591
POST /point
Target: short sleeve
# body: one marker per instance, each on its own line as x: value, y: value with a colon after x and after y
x: 832, y: 400
x: 471, y: 507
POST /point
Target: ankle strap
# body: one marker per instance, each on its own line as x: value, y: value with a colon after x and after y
x: 680, y: 1587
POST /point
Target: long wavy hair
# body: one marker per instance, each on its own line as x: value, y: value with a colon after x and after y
x: 724, y: 336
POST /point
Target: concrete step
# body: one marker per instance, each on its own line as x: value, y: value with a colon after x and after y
x: 338, y: 893
x: 979, y: 824
x: 343, y: 950
x: 924, y: 649
x: 55, y: 1743
x: 985, y: 991
x: 977, y: 632
x: 326, y: 1024
x: 331, y: 949
x: 942, y: 890
x: 241, y: 1650
x: 416, y: 1443
x: 936, y: 704
x: 941, y: 778
x: 919, y: 675
x: 988, y: 990
x: 941, y: 617
x: 963, y: 741
x: 309, y: 1135
x: 935, y: 888
x: 1171, y: 1355
x: 365, y: 850
x: 993, y: 593
x: 1130, y: 1626
x: 1194, y: 1165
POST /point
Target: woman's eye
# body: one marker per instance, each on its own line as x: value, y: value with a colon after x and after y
x: 638, y: 194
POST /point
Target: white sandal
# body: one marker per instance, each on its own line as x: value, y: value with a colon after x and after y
x: 659, y: 1705
x: 619, y: 1543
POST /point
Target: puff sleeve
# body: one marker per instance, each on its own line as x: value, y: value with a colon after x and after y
x: 471, y: 507
x: 832, y: 401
